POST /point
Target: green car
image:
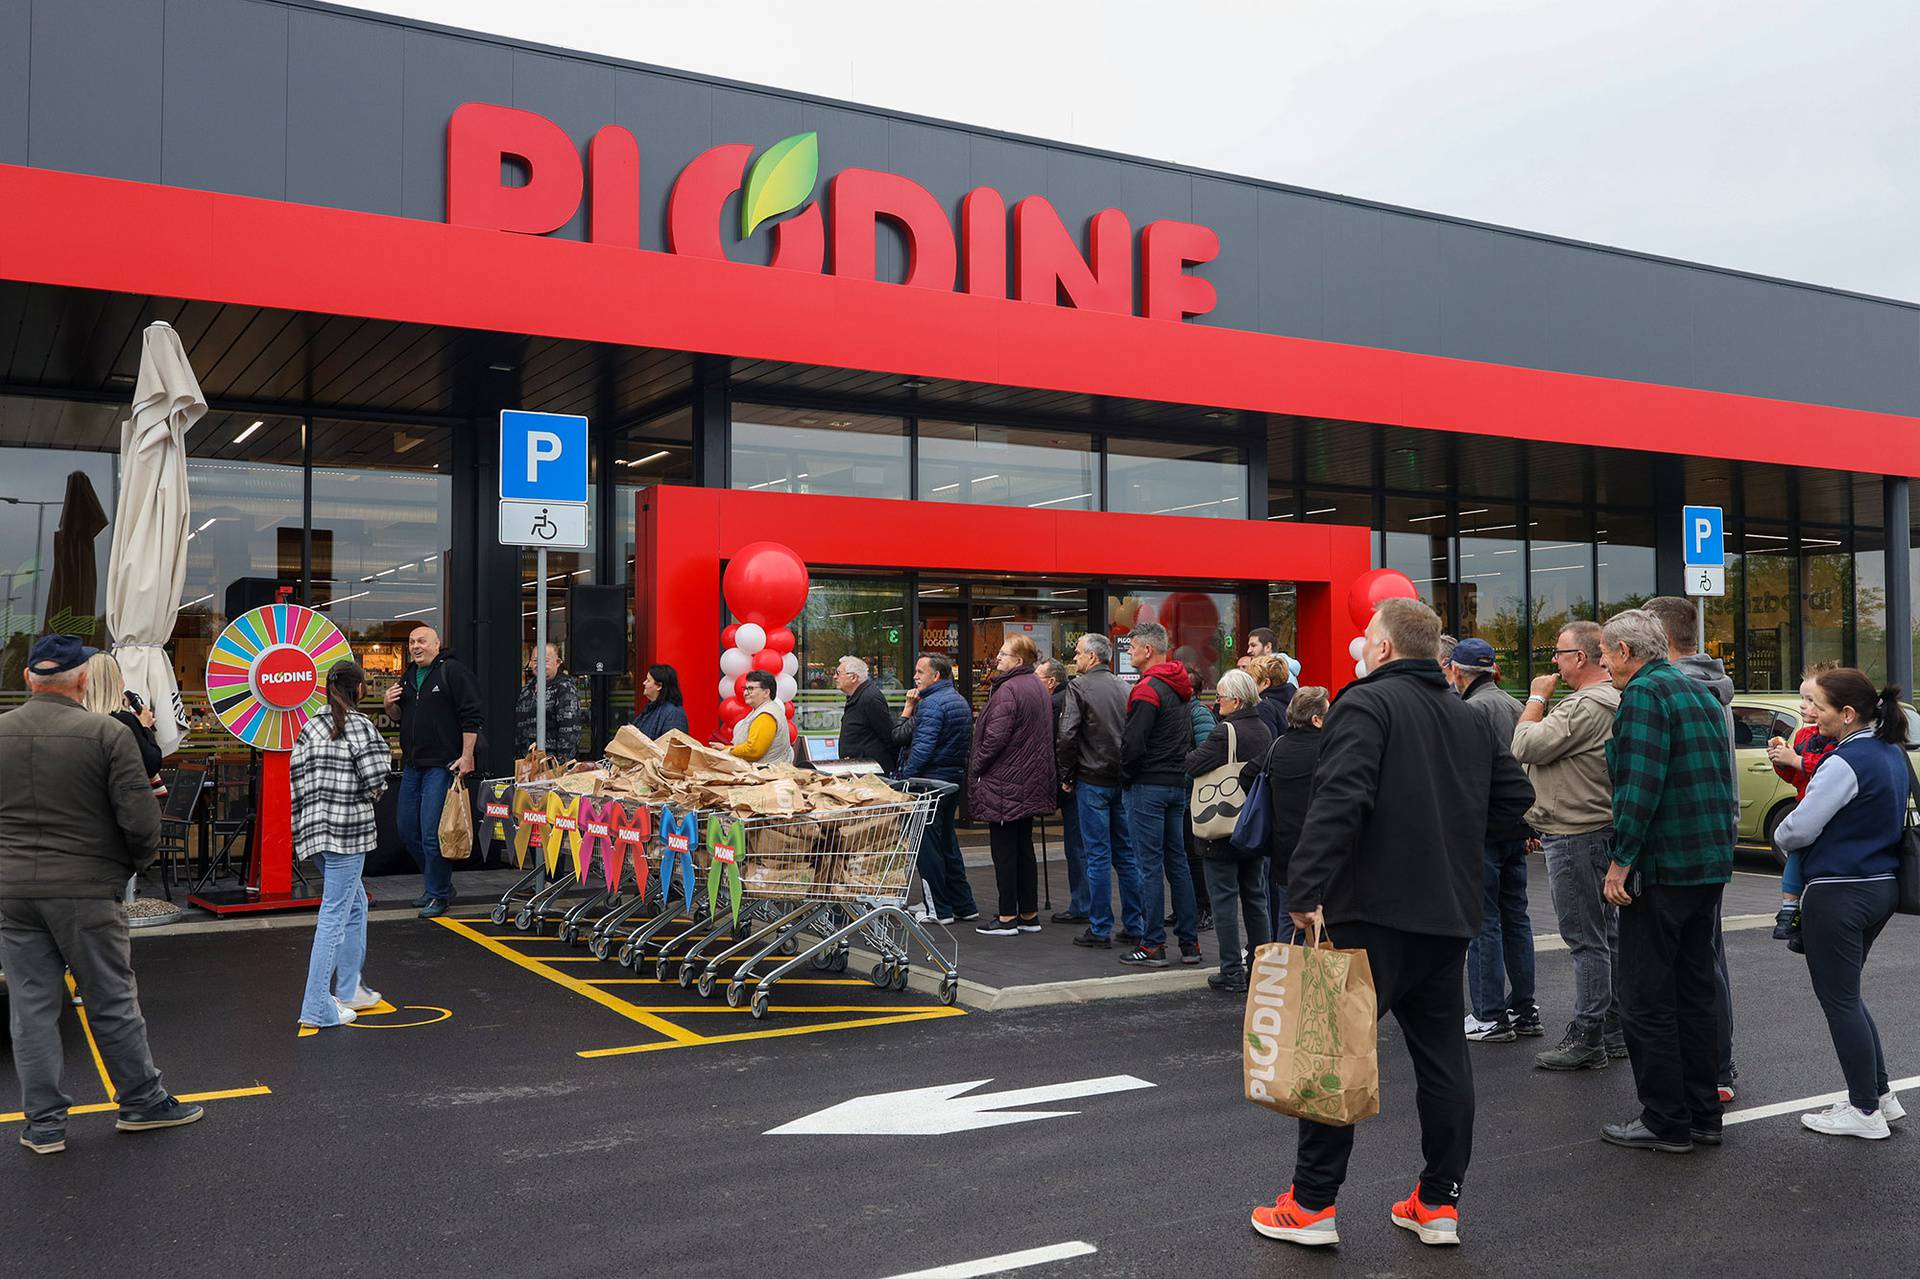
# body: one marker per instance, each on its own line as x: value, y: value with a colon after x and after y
x: 1765, y: 798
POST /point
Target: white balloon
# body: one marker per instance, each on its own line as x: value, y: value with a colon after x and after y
x: 735, y: 662
x: 787, y: 686
x: 1354, y: 650
x: 750, y: 638
x: 789, y: 665
x: 1359, y: 670
x: 726, y: 687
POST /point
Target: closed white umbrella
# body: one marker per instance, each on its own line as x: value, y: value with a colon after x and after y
x: 151, y: 521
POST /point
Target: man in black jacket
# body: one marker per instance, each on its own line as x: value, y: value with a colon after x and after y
x: 866, y: 724
x: 1153, y: 760
x: 1411, y: 784
x: 437, y: 705
x: 1092, y: 721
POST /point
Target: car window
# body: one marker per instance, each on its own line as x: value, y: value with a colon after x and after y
x: 1752, y: 726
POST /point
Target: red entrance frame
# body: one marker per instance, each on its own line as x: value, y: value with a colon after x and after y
x: 683, y: 538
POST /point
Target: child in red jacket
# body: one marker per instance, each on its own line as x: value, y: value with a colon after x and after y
x: 1795, y: 763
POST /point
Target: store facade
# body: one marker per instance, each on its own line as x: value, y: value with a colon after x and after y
x: 374, y: 235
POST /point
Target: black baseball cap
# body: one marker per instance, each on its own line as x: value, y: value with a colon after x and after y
x: 56, y: 654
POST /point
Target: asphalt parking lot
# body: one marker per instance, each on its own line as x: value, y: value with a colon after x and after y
x: 474, y: 1128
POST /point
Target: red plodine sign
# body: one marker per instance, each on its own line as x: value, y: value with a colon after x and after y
x: 284, y: 677
x: 1049, y: 266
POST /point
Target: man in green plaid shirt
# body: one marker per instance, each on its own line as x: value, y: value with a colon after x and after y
x: 1673, y: 830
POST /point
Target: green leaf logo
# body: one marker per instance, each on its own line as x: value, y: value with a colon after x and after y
x: 781, y: 180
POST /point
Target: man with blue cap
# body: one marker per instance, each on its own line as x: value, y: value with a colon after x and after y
x: 77, y: 817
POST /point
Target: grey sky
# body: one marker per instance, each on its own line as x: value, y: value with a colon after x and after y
x: 1769, y: 135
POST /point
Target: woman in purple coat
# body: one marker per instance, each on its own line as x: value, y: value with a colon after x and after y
x: 1010, y: 781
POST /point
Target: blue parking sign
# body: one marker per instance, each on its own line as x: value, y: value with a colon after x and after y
x: 543, y: 456
x: 1703, y: 535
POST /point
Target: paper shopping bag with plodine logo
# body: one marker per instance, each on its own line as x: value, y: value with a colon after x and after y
x: 1310, y: 1043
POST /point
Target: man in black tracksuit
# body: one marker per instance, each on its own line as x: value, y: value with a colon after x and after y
x: 438, y: 707
x: 1411, y: 785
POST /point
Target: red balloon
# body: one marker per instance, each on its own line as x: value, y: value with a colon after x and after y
x: 1371, y: 587
x: 731, y: 712
x: 726, y: 636
x: 740, y: 690
x: 769, y: 661
x: 780, y: 640
x: 765, y: 583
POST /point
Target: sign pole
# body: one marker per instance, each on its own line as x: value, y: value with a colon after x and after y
x: 1700, y: 623
x: 540, y: 652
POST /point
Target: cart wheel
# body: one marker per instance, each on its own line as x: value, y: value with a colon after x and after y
x: 569, y: 933
x: 524, y: 921
x: 759, y: 1009
x: 879, y: 976
x: 686, y: 975
x: 597, y: 946
x: 949, y: 991
x: 900, y: 977
x: 839, y: 964
x: 624, y: 957
x: 706, y: 984
x: 499, y: 915
x: 735, y: 991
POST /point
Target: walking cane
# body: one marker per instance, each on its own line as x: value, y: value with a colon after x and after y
x: 1046, y: 881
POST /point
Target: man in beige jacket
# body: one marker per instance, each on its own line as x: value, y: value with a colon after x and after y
x: 1564, y: 751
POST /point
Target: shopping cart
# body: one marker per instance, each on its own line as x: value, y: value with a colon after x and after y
x: 826, y: 879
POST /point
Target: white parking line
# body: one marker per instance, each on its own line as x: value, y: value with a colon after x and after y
x: 1005, y: 1261
x: 1804, y: 1103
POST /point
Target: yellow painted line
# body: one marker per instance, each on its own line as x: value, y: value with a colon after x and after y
x: 86, y: 1027
x: 678, y: 1034
x: 781, y: 1032
x: 792, y: 1010
x: 98, y: 1108
x: 784, y: 981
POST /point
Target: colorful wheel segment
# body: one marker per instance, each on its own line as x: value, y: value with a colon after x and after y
x: 267, y: 673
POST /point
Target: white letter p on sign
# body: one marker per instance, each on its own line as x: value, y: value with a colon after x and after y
x: 542, y: 446
x: 1702, y: 529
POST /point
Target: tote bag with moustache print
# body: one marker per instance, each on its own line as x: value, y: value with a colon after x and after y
x: 1213, y: 806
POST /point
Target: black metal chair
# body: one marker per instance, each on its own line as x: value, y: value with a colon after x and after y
x: 178, y: 818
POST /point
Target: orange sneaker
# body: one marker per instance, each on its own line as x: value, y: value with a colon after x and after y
x: 1433, y: 1225
x: 1288, y: 1220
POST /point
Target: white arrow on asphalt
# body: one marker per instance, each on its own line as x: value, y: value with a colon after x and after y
x: 929, y: 1112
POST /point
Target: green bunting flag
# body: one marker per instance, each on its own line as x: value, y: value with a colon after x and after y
x: 727, y: 841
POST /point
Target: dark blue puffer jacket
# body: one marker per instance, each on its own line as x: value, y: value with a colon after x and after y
x: 942, y: 736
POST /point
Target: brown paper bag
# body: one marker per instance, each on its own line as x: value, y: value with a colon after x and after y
x: 1310, y: 1045
x: 456, y: 822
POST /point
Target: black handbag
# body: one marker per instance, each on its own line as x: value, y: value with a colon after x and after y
x: 1908, y: 874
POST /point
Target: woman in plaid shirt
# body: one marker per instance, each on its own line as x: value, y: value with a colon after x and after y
x: 340, y: 766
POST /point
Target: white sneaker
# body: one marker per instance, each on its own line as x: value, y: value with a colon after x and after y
x: 925, y: 914
x: 347, y: 1015
x: 1842, y: 1120
x: 1890, y: 1108
x: 362, y: 1000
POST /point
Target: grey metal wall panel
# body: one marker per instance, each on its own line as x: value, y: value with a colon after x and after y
x: 578, y: 96
x: 1622, y: 317
x: 1232, y: 210
x: 438, y: 74
x: 760, y: 120
x: 1490, y: 303
x: 16, y: 36
x: 96, y: 96
x: 938, y: 159
x: 1014, y: 169
x: 1354, y: 286
x: 345, y: 109
x: 225, y: 115
x: 1292, y: 269
x: 1407, y: 266
x: 675, y: 117
x: 854, y: 140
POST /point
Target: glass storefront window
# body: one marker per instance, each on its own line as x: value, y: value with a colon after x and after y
x: 1416, y: 460
x: 1413, y: 539
x: 1828, y: 602
x: 1492, y: 585
x: 1354, y: 509
x: 1560, y: 573
x: 1723, y: 622
x: 1772, y: 611
x: 657, y: 451
x: 1870, y: 604
x: 1003, y: 466
x: 1283, y: 617
x: 844, y: 617
x: 1052, y: 614
x: 813, y: 451
x: 1198, y: 626
x: 1151, y: 478
x: 1625, y: 560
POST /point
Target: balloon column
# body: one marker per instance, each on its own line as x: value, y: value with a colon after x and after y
x: 1365, y: 595
x: 765, y: 586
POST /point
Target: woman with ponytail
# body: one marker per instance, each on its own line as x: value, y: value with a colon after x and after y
x: 1848, y: 832
x: 340, y: 766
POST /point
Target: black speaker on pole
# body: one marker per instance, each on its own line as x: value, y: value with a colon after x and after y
x: 247, y: 593
x: 597, y: 630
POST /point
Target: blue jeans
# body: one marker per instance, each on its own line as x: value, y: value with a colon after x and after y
x: 423, y: 793
x: 1503, y: 952
x: 339, y: 940
x: 1157, y: 816
x: 1102, y: 819
x: 1076, y: 853
x: 1576, y: 872
x: 1792, y: 878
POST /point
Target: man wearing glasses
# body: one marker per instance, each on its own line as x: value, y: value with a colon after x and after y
x: 1564, y: 750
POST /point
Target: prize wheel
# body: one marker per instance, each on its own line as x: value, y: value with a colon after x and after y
x: 267, y: 673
